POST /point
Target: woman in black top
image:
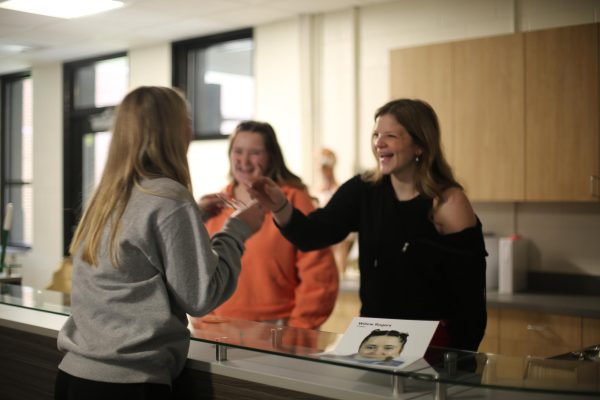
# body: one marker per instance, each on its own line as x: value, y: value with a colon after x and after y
x: 421, y: 249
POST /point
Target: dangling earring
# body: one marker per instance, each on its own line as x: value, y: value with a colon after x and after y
x: 417, y: 159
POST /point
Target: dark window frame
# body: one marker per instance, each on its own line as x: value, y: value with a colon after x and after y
x: 75, y: 121
x: 179, y: 58
x: 6, y: 80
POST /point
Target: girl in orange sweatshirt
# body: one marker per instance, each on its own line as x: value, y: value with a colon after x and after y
x: 278, y: 282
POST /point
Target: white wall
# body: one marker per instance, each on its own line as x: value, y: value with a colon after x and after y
x: 46, y: 254
x: 338, y: 90
x: 319, y: 79
x: 209, y: 166
x: 150, y: 66
x: 279, y: 86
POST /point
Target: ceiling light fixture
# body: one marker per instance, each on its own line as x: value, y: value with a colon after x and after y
x: 13, y: 49
x: 62, y: 8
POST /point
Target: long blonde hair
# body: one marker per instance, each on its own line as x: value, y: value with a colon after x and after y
x: 148, y: 141
x: 433, y: 175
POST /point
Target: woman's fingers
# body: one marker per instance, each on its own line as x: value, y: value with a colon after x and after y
x: 252, y: 214
x: 261, y: 190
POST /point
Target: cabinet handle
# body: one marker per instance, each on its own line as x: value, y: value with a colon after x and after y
x: 544, y: 331
x: 537, y: 328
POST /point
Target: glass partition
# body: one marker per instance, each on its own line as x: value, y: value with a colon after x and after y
x: 572, y: 373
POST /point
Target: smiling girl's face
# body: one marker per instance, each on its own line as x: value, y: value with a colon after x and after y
x: 393, y: 146
x: 248, y: 157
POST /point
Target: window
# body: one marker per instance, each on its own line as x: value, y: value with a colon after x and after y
x: 17, y: 156
x: 216, y: 73
x: 93, y: 88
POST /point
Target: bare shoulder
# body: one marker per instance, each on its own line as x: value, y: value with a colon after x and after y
x: 455, y: 213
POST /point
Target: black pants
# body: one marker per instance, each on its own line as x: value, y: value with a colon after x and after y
x: 68, y: 387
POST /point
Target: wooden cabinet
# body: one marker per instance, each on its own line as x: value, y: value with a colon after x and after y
x: 590, y: 334
x: 490, y: 341
x: 426, y: 73
x: 515, y: 332
x: 477, y: 89
x: 536, y: 333
x: 489, y: 152
x: 562, y: 113
x: 519, y: 113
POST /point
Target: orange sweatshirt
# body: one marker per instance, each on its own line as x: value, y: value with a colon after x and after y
x: 278, y: 280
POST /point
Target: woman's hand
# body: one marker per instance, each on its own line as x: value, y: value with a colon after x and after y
x: 211, y: 205
x: 252, y: 214
x: 271, y: 197
x: 267, y: 193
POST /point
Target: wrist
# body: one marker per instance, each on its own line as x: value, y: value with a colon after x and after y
x: 282, y: 207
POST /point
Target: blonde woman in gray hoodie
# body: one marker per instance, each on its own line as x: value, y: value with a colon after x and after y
x: 142, y: 259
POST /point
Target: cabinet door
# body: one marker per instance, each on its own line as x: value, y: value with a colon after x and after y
x: 489, y: 117
x: 591, y: 332
x: 524, y: 333
x: 562, y: 147
x: 426, y: 73
x: 489, y: 344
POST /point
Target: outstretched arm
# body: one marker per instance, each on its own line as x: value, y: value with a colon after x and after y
x: 320, y: 228
x: 271, y: 197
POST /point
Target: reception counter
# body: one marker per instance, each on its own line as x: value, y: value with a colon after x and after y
x: 234, y: 359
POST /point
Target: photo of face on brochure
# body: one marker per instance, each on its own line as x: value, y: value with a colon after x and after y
x: 387, y: 343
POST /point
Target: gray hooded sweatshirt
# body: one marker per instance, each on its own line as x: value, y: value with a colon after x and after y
x: 128, y: 324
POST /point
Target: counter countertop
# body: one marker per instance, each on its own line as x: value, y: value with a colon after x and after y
x: 580, y: 306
